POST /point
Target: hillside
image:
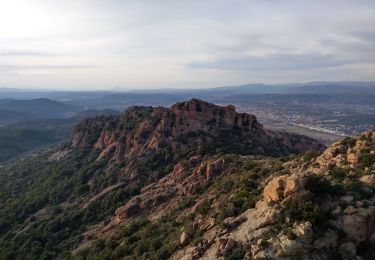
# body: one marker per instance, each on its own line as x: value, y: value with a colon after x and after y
x: 30, y: 136
x: 10, y: 117
x: 191, y: 181
x: 19, y: 138
x: 35, y: 108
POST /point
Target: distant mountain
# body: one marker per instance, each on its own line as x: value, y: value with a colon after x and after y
x: 38, y: 108
x: 322, y: 88
x: 344, y: 87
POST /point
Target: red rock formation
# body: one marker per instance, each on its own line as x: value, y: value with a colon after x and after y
x: 144, y: 129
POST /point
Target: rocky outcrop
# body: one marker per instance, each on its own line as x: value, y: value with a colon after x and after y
x: 127, y: 211
x: 282, y: 187
x: 172, y: 189
x: 184, y: 239
x: 368, y: 180
x: 58, y: 155
x: 347, y: 153
x: 357, y: 222
x: 143, y: 129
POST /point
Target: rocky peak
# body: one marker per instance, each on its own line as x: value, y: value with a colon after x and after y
x: 197, y: 115
x: 143, y: 129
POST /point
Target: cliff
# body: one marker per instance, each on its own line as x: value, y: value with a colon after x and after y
x: 143, y: 129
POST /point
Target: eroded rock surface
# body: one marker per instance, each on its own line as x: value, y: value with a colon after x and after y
x: 145, y: 129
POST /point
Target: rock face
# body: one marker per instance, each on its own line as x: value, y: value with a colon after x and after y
x: 143, y: 129
x: 347, y: 153
x: 358, y: 223
x: 173, y: 188
x: 282, y: 187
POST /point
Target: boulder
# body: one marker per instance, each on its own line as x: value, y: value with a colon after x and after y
x: 224, y: 246
x: 232, y: 222
x: 214, y: 167
x: 350, y: 210
x: 291, y: 247
x: 352, y: 158
x: 347, y: 200
x: 184, y: 239
x: 304, y: 231
x: 357, y: 223
x: 257, y: 219
x: 178, y: 170
x: 127, y: 211
x: 368, y: 180
x: 281, y: 187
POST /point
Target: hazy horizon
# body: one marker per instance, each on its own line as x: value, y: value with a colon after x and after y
x: 121, y: 89
x: 104, y: 45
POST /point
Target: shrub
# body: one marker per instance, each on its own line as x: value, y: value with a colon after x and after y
x: 338, y: 173
x: 366, y: 159
x: 302, y: 209
x: 236, y: 254
x: 203, y: 207
x: 348, y: 142
x: 320, y: 187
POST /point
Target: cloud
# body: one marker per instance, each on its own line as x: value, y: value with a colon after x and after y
x: 187, y: 43
x: 24, y: 53
x: 279, y: 61
x: 44, y: 67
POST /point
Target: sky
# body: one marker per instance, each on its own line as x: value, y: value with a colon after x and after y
x: 106, y: 44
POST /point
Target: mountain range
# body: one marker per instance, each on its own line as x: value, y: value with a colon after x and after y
x: 190, y: 181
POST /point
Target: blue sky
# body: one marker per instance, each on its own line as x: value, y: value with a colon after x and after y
x: 102, y: 44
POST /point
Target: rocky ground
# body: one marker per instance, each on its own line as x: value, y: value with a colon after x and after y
x: 272, y: 230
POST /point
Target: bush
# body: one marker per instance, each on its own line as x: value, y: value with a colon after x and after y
x: 366, y: 159
x: 236, y: 254
x: 320, y: 187
x: 203, y: 207
x: 302, y: 209
x: 348, y: 141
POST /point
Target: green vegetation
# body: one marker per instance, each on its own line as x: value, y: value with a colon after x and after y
x: 244, y: 183
x: 46, y: 197
x: 366, y: 159
x: 140, y: 240
x: 24, y: 137
x: 47, y: 207
x: 302, y: 209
